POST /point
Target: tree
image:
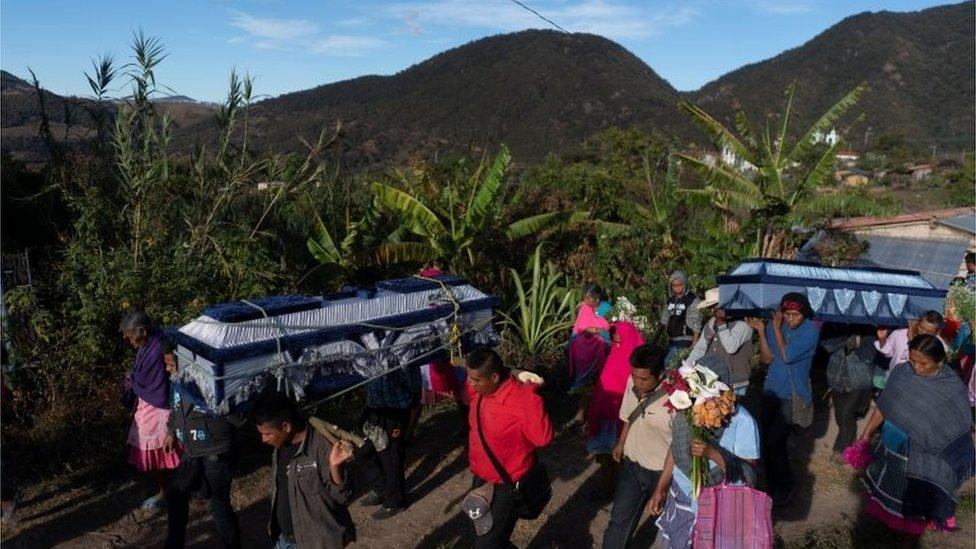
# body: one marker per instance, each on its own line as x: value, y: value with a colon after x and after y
x: 453, y: 236
x: 781, y: 192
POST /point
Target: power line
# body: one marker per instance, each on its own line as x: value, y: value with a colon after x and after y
x: 539, y: 15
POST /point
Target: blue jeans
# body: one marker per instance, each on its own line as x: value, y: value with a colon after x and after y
x: 635, y: 485
x: 282, y: 543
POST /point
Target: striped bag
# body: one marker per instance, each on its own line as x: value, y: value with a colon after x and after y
x: 733, y: 517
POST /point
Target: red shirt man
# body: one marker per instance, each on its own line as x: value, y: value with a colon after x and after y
x: 515, y: 424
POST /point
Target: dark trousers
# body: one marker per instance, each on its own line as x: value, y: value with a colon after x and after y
x: 391, y: 461
x: 504, y: 515
x: 635, y: 485
x: 847, y: 408
x: 776, y: 430
x: 213, y: 476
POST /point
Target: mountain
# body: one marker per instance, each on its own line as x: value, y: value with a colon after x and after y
x: 71, y: 119
x: 544, y: 91
x: 919, y: 68
x: 539, y: 91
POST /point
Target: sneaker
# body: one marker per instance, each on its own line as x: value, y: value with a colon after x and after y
x: 386, y: 512
x: 372, y: 499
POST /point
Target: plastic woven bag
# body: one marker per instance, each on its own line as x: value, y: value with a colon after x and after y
x: 733, y: 517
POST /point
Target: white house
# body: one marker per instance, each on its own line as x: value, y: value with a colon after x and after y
x: 830, y: 139
x: 729, y: 157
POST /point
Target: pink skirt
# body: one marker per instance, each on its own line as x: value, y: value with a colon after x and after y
x: 902, y: 524
x: 146, y: 438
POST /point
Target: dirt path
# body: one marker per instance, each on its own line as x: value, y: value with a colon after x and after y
x: 76, y: 512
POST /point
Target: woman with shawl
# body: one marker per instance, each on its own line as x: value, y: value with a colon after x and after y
x: 925, y: 449
x: 732, y: 458
x: 150, y: 385
x: 603, y: 418
x: 588, y: 344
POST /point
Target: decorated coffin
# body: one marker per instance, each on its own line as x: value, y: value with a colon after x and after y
x: 306, y: 345
x: 857, y: 295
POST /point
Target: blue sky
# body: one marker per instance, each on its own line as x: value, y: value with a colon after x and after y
x: 291, y: 45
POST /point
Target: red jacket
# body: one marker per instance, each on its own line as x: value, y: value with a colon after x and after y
x: 515, y: 424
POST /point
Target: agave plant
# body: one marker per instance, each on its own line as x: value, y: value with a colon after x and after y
x: 543, y: 307
x: 781, y: 191
x: 452, y: 236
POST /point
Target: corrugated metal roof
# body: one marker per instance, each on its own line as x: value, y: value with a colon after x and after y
x: 937, y: 260
x: 963, y: 223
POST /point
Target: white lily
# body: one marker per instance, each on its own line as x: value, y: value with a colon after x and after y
x: 708, y: 375
x: 687, y: 369
x: 680, y: 400
x: 708, y: 391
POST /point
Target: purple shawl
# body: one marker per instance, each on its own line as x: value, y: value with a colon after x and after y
x: 150, y: 382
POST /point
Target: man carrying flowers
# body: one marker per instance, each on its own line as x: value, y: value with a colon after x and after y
x: 713, y: 441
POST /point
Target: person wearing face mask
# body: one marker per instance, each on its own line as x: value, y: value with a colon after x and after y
x: 925, y: 449
x: 894, y: 344
x: 787, y: 344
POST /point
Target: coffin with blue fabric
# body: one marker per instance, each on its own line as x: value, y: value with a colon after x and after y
x: 853, y: 295
x: 317, y: 345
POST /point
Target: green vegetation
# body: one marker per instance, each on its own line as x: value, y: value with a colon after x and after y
x: 775, y: 188
x: 148, y: 225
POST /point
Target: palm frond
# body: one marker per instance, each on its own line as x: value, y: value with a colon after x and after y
x: 537, y: 223
x: 393, y: 253
x: 717, y: 132
x: 486, y: 199
x: 728, y: 181
x: 825, y: 122
x: 413, y: 213
x: 822, y: 169
x: 825, y: 206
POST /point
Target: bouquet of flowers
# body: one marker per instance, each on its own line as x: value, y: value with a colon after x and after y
x: 625, y: 311
x: 706, y: 403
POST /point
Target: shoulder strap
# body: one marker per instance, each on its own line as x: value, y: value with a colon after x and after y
x: 506, y: 478
x: 638, y: 411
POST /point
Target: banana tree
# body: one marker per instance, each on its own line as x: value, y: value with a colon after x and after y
x: 781, y: 191
x: 454, y: 235
x: 663, y: 202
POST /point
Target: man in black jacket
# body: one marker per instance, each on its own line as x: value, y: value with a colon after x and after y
x: 309, y: 488
x: 206, y: 468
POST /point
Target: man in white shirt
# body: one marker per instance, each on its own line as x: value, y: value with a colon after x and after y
x: 725, y: 339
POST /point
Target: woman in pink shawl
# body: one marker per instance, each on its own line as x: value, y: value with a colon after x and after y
x: 588, y: 345
x: 603, y: 420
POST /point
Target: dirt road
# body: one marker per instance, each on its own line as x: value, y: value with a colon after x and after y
x: 76, y: 511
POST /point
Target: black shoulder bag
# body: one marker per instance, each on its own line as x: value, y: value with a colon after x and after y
x: 533, y: 491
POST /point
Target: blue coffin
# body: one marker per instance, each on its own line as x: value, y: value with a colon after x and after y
x: 306, y: 345
x: 853, y: 295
